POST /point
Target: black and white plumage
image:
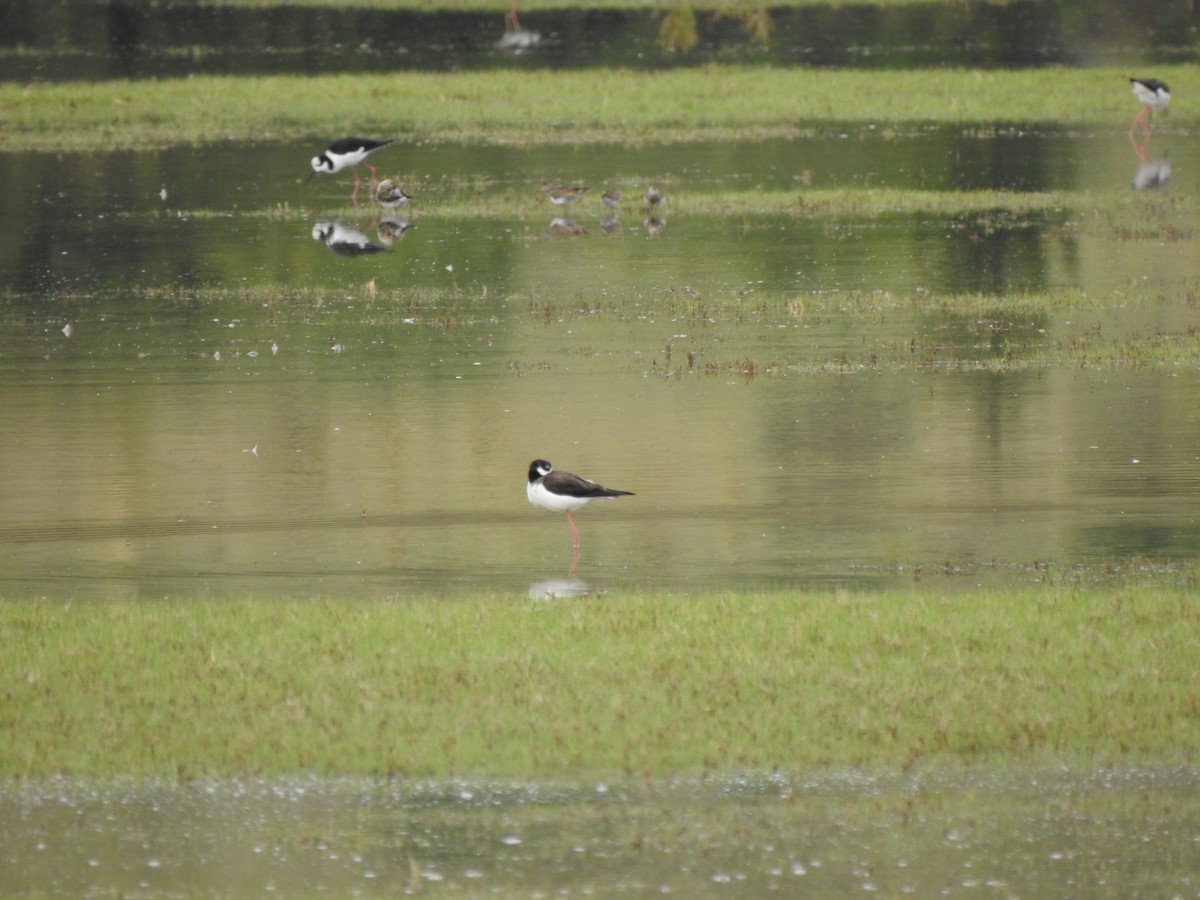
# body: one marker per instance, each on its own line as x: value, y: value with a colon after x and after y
x: 1153, y: 95
x: 1151, y: 92
x: 344, y: 240
x: 564, y: 492
x: 348, y: 153
x: 1152, y: 174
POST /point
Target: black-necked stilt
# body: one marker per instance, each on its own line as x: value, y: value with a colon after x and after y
x: 1152, y: 94
x: 611, y: 198
x: 564, y: 492
x: 653, y: 197
x: 348, y: 153
x: 390, y: 194
x: 562, y: 195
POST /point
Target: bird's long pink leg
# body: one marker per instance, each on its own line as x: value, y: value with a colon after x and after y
x: 574, y: 529
x: 373, y: 174
x: 1140, y: 119
x: 354, y: 196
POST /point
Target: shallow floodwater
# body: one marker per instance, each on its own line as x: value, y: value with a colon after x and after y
x: 218, y: 379
x: 201, y: 394
x: 1028, y: 833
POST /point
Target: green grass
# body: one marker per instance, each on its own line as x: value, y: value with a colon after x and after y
x: 526, y: 108
x: 634, y: 684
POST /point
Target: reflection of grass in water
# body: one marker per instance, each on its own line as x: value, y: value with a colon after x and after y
x: 627, y: 683
x: 561, y: 107
x: 941, y: 333
x: 983, y: 213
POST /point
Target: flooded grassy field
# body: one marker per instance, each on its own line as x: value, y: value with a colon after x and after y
x: 843, y: 382
x: 903, y: 374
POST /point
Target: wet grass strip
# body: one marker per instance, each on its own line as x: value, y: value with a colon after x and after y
x: 626, y: 684
x: 591, y: 106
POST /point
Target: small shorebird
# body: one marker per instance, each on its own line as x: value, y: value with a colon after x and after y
x: 348, y: 153
x: 611, y: 198
x: 1152, y: 94
x: 390, y: 194
x: 561, y: 194
x: 653, y: 197
x: 564, y: 492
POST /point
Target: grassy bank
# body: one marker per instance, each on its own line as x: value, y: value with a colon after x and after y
x: 523, y: 108
x: 638, y: 684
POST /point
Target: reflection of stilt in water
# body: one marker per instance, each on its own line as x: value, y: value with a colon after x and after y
x: 1140, y: 144
x: 516, y: 40
x: 344, y: 240
x: 1152, y: 173
x: 567, y: 586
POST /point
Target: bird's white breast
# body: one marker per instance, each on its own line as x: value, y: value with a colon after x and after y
x: 539, y: 496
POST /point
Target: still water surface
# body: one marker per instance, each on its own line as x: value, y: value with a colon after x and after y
x: 198, y: 397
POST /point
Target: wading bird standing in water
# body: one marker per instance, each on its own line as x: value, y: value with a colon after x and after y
x: 348, y: 153
x: 564, y: 492
x: 1153, y: 95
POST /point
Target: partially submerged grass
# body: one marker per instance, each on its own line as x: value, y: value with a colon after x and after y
x: 564, y: 107
x: 1162, y: 216
x: 640, y: 684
